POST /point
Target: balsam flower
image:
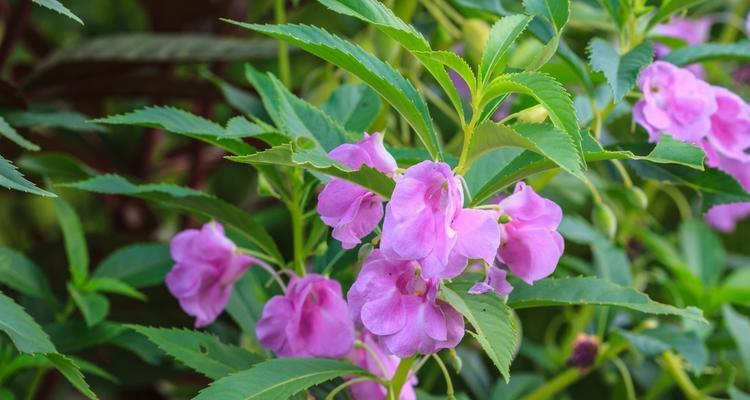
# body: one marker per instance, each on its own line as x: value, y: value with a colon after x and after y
x: 531, y: 245
x: 394, y: 301
x: 425, y: 221
x: 351, y: 210
x: 674, y: 102
x: 724, y: 217
x: 496, y: 281
x: 371, y: 390
x: 693, y: 31
x: 207, y: 266
x: 310, y: 320
x: 730, y: 127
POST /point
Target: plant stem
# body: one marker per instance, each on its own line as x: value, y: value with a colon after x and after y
x: 556, y: 385
x: 297, y: 233
x: 468, y: 133
x: 345, y: 385
x: 627, y: 379
x: 284, y: 72
x: 35, y: 381
x: 399, y: 378
x: 674, y: 367
x: 446, y: 375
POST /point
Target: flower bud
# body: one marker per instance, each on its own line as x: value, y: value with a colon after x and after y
x: 637, y: 197
x: 455, y: 360
x: 604, y: 219
x: 476, y: 34
x: 585, y: 350
x: 532, y: 115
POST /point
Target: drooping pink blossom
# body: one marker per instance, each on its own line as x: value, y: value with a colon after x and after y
x: 371, y: 390
x: 725, y: 217
x: 394, y: 301
x: 207, y: 266
x: 425, y: 221
x: 351, y: 210
x: 496, y: 281
x: 531, y: 245
x: 693, y: 31
x: 310, y: 320
x: 730, y: 127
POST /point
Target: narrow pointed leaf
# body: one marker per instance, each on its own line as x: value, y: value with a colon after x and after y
x: 502, y: 36
x: 55, y: 5
x: 72, y: 372
x: 555, y: 11
x: 27, y: 336
x: 12, y: 179
x: 10, y: 133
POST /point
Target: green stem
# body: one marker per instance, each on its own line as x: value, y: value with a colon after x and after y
x: 674, y: 367
x: 623, y: 173
x: 284, y: 71
x: 345, y: 385
x: 399, y: 378
x: 35, y: 381
x: 297, y: 234
x: 468, y: 133
x: 627, y: 379
x: 556, y: 385
x: 446, y: 375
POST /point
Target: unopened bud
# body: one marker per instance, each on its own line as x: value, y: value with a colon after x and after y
x: 504, y: 219
x: 265, y: 188
x: 455, y: 360
x: 637, y: 197
x: 476, y: 34
x: 533, y: 115
x: 585, y: 350
x: 605, y: 220
x: 365, y: 250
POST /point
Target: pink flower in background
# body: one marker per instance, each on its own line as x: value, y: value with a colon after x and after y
x: 371, y: 390
x: 531, y: 245
x: 692, y: 31
x: 725, y: 217
x: 425, y: 221
x: 395, y: 302
x: 207, y: 266
x: 730, y: 126
x: 495, y: 281
x: 310, y: 320
x: 674, y: 102
x: 351, y: 210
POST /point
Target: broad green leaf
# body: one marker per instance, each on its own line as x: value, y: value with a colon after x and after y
x: 502, y: 36
x: 284, y: 155
x: 8, y: 132
x: 71, y: 371
x: 555, y: 11
x: 244, y: 306
x: 654, y: 342
x: 454, y: 62
x: 739, y: 327
x: 669, y: 8
x: 543, y: 139
x: 59, y: 167
x: 354, y: 106
x: 594, y: 291
x: 93, y: 306
x: 55, y: 5
x: 380, y: 76
x: 278, y: 379
x: 69, y: 120
x: 702, y: 250
x: 491, y: 6
x: 182, y: 123
x: 710, y: 52
x: 496, y: 328
x: 26, y: 335
x: 111, y: 285
x: 615, y: 9
x: 138, y: 265
x: 200, y: 351
x: 12, y: 179
x: 20, y: 273
x: 75, y: 241
x: 544, y: 55
x: 621, y: 71
x: 611, y: 262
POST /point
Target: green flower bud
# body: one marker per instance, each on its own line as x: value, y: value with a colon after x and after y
x: 605, y: 220
x: 455, y: 360
x: 532, y: 115
x: 637, y: 197
x: 476, y: 34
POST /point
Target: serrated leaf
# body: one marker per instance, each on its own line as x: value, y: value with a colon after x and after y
x: 12, y: 179
x: 55, y: 5
x: 555, y: 11
x: 27, y: 336
x: 20, y: 273
x: 284, y: 155
x: 354, y: 106
x: 278, y: 379
x: 69, y: 120
x: 8, y: 132
x: 190, y: 200
x: 739, y: 327
x: 138, y: 265
x: 93, y: 306
x: 710, y: 52
x: 200, y: 351
x: 496, y: 328
x: 502, y: 36
x: 56, y: 166
x: 621, y: 71
x: 75, y: 241
x: 70, y: 370
x: 379, y: 75
x: 594, y: 291
x: 454, y: 62
x: 656, y: 341
x: 110, y: 285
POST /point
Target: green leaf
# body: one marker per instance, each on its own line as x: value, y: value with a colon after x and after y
x: 8, y: 132
x: 502, y: 36
x: 93, y: 306
x: 702, y: 250
x: 244, y: 306
x: 12, y: 179
x: 710, y: 52
x: 26, y: 334
x: 284, y: 155
x: 20, y: 273
x: 182, y: 123
x: 241, y: 100
x: 278, y: 379
x: 656, y: 341
x: 110, y: 285
x: 738, y: 326
x: 621, y: 71
x: 380, y: 76
x: 69, y: 120
x: 200, y: 351
x: 540, y: 138
x: 496, y: 328
x: 138, y: 265
x: 544, y: 54
x: 594, y: 291
x: 57, y: 166
x: 669, y: 8
x: 555, y: 11
x: 70, y: 370
x: 354, y: 106
x: 55, y: 5
x: 189, y: 200
x: 454, y: 62
x: 75, y: 242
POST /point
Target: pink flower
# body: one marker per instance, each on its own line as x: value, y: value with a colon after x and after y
x: 531, y: 245
x: 495, y: 281
x: 395, y: 302
x: 674, y: 102
x: 207, y: 265
x: 425, y: 221
x: 371, y: 390
x: 725, y: 217
x: 310, y: 320
x: 353, y: 211
x: 692, y: 31
x: 730, y: 126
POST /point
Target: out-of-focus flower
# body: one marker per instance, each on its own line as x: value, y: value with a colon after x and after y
x: 371, y: 390
x: 351, y: 210
x: 730, y: 126
x: 495, y: 281
x: 310, y: 320
x: 395, y: 302
x: 692, y: 31
x: 674, y: 102
x: 585, y: 350
x: 725, y: 217
x: 207, y: 266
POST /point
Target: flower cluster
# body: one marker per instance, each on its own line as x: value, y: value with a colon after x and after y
x: 677, y: 103
x: 691, y: 31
